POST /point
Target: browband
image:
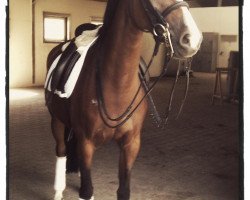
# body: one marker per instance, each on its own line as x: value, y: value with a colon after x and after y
x: 176, y: 5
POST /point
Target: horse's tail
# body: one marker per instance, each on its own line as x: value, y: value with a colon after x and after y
x: 72, y: 164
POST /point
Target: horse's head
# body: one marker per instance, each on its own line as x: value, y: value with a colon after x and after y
x: 185, y: 35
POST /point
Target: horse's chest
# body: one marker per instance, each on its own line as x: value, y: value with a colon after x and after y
x: 102, y: 136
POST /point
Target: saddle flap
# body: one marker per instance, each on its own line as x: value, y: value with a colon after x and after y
x: 66, y: 67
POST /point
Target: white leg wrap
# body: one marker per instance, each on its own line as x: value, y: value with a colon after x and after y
x: 58, y: 195
x: 60, y: 175
x: 92, y: 198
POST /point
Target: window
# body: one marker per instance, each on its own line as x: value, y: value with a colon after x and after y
x: 55, y: 27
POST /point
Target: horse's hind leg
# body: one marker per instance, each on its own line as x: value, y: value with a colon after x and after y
x: 129, y: 149
x: 60, y: 171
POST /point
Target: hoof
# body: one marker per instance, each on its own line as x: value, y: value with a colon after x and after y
x: 92, y: 198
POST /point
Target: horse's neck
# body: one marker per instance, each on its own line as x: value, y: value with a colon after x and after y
x: 122, y: 52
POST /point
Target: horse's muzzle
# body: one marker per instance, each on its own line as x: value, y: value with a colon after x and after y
x: 189, y: 43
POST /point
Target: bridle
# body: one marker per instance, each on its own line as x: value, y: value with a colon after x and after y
x: 158, y: 23
x: 161, y: 35
x: 155, y: 16
x: 159, y: 26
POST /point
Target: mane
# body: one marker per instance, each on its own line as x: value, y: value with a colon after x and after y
x: 108, y: 16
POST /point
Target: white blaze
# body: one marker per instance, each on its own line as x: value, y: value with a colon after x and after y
x: 195, y: 34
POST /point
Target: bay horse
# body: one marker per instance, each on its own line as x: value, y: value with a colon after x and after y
x: 99, y: 108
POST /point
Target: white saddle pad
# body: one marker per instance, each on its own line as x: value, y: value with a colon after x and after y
x: 83, y: 42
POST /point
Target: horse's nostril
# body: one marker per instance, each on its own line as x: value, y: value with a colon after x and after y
x: 186, y: 39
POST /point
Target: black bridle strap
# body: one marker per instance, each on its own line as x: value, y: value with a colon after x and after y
x: 154, y: 15
x: 173, y: 7
x: 125, y: 116
x: 158, y: 18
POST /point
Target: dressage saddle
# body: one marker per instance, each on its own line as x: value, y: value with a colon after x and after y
x: 68, y: 59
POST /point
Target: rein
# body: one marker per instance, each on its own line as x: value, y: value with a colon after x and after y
x: 161, y: 35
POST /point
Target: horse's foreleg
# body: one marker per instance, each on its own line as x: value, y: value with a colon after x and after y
x: 60, y: 171
x: 86, y: 148
x: 128, y: 153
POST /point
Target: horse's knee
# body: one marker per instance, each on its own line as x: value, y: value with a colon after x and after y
x: 58, y: 131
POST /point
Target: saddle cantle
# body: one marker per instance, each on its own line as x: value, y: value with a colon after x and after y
x: 85, y: 27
